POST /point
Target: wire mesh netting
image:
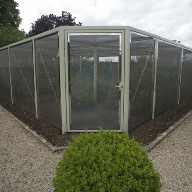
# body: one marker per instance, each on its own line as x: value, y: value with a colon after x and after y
x: 186, y: 77
x: 94, y: 72
x: 5, y: 89
x: 21, y: 60
x: 95, y: 64
x: 141, y: 79
x: 169, y: 57
x: 48, y: 79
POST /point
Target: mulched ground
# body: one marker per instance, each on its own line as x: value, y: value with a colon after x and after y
x: 144, y: 133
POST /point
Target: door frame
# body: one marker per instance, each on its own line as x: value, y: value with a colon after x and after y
x: 124, y: 63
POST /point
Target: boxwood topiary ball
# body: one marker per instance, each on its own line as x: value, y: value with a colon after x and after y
x: 105, y: 162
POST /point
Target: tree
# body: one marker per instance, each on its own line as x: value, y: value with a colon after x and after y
x: 9, y: 23
x: 47, y: 22
x: 9, y: 14
x: 10, y: 35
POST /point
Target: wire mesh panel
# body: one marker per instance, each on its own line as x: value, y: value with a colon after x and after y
x: 186, y: 78
x: 5, y: 90
x: 169, y: 57
x: 23, y: 76
x: 94, y: 73
x: 48, y: 79
x: 141, y: 79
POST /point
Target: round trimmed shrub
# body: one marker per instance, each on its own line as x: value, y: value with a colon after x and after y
x: 106, y: 162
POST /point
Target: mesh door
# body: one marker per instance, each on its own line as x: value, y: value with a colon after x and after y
x: 94, y: 73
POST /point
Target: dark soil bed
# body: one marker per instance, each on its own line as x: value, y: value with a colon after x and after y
x: 145, y: 133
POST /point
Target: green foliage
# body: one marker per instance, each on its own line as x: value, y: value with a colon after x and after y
x: 82, y: 93
x: 9, y: 23
x: 10, y: 35
x: 48, y: 22
x: 105, y: 161
x: 112, y: 97
x: 9, y: 14
x: 82, y: 84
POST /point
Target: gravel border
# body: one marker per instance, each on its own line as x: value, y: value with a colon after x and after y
x: 172, y: 158
x: 39, y: 137
x: 28, y: 165
x: 165, y: 133
x: 60, y: 148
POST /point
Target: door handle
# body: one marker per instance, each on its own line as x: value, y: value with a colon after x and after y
x: 119, y: 86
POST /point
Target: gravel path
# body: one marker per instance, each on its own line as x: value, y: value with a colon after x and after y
x: 27, y: 165
x: 172, y: 158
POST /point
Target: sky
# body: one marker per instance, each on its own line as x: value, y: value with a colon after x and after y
x: 170, y: 19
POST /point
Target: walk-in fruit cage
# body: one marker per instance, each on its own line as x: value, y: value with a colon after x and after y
x: 78, y: 77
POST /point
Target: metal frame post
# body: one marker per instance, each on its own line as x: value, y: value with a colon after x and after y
x: 35, y: 81
x: 95, y: 73
x: 180, y: 74
x: 155, y: 77
x: 10, y: 75
x: 62, y: 79
x: 80, y: 57
x: 66, y: 73
x: 122, y: 82
x: 126, y: 71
